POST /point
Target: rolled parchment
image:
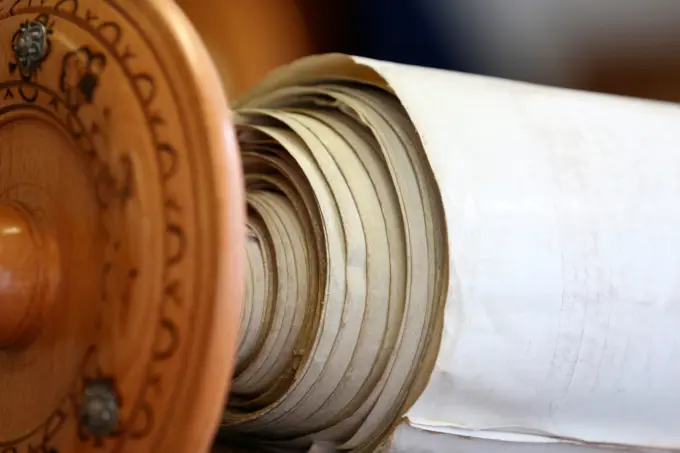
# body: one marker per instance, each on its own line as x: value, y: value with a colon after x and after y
x: 442, y: 262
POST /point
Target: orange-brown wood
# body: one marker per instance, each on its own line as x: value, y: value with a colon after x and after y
x: 249, y: 38
x: 29, y: 277
x: 121, y: 230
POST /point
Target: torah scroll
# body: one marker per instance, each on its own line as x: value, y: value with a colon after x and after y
x: 442, y: 262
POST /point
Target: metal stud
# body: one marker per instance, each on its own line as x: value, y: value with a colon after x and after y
x: 99, y: 411
x: 30, y: 46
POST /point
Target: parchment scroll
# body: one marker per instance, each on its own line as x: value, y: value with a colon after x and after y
x: 450, y: 257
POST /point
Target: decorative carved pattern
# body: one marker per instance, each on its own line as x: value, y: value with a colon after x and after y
x: 83, y: 71
x: 80, y: 72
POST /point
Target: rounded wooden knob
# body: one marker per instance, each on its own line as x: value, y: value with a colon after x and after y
x: 29, y: 272
x: 122, y: 230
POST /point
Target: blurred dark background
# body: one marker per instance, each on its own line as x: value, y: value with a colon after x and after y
x: 628, y: 47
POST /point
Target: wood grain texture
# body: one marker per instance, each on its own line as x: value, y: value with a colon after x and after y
x: 116, y: 150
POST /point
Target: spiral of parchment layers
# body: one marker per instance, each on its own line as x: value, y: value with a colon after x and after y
x: 347, y: 267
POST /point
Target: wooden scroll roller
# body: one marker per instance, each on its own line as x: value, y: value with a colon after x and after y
x: 433, y: 262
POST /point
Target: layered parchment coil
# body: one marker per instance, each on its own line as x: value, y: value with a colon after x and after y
x: 527, y: 301
x: 346, y: 266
